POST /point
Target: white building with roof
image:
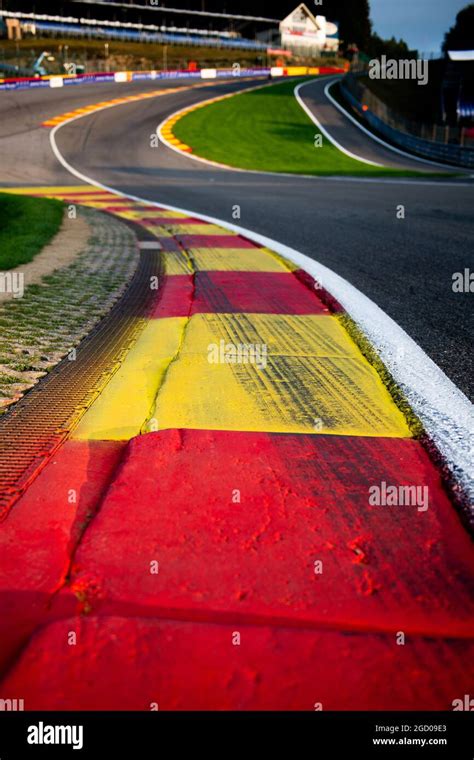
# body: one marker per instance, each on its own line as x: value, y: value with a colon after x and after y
x: 306, y: 34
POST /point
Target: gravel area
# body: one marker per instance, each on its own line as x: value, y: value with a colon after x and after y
x: 53, y: 316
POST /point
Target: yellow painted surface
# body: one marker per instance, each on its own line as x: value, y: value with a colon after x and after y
x: 127, y: 400
x: 312, y: 379
x: 198, y: 229
x: 137, y: 213
x: 297, y: 71
x: 332, y: 390
x: 282, y: 334
x: 100, y: 196
x: 176, y: 263
x: 305, y: 374
x: 286, y: 263
x: 158, y: 231
x: 93, y: 203
x: 49, y: 191
x: 236, y: 259
x: 109, y: 103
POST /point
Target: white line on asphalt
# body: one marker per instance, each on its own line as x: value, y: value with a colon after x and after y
x: 445, y: 412
x: 379, y: 139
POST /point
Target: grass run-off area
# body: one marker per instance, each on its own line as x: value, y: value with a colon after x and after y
x: 26, y: 225
x: 267, y: 130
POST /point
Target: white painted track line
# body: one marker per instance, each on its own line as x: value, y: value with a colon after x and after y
x: 324, y: 131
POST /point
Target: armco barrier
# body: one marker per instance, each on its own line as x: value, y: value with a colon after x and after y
x: 449, y: 154
x: 24, y: 83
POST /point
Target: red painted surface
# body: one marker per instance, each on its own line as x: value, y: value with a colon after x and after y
x: 136, y: 664
x: 303, y: 498
x: 174, y: 297
x: 258, y: 292
x: 160, y: 221
x: 38, y: 539
x: 236, y: 523
x: 131, y: 207
x: 234, y: 292
x: 318, y: 287
x: 215, y: 241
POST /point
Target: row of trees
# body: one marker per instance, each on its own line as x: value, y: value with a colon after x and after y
x: 355, y: 28
x: 461, y: 35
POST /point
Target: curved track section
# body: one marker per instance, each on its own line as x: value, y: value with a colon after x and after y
x: 220, y: 506
x: 344, y: 132
x: 404, y: 265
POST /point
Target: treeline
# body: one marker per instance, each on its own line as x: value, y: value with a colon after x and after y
x: 461, y: 35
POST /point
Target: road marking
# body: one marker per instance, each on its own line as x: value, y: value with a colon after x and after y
x: 325, y: 132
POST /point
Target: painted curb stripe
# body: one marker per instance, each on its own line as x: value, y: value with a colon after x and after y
x: 196, y: 667
x: 186, y: 514
x: 264, y: 292
x: 248, y: 562
x: 46, y: 523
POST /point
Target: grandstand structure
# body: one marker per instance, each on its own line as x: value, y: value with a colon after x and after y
x: 149, y: 21
x: 137, y: 22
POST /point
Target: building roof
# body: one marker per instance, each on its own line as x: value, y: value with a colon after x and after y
x: 305, y: 12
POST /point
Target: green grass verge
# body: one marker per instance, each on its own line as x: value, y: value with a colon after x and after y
x: 267, y: 130
x: 26, y: 225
